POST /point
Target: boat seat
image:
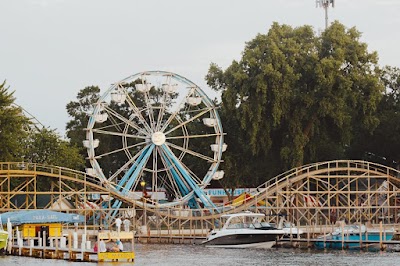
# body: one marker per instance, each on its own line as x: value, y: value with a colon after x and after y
x: 257, y: 225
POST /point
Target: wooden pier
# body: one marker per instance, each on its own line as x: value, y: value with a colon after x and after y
x: 37, y: 247
x: 86, y: 254
x: 309, y: 243
x: 54, y: 253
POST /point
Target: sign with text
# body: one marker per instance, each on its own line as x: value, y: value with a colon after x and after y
x: 219, y: 192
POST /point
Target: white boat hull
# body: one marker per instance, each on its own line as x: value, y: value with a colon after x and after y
x: 263, y: 245
x: 244, y: 230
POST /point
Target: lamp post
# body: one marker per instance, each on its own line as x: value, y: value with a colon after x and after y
x: 143, y: 184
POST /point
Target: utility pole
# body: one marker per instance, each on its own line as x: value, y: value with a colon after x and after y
x: 325, y: 5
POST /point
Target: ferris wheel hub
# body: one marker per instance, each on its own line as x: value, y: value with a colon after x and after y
x: 158, y: 138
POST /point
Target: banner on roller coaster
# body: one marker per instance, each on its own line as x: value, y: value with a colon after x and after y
x: 219, y: 192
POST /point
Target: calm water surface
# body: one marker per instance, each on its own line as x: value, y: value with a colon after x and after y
x: 192, y: 255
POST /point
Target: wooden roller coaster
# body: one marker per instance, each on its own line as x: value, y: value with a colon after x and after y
x: 314, y: 194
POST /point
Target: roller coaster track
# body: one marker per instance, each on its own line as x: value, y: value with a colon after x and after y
x: 356, y: 190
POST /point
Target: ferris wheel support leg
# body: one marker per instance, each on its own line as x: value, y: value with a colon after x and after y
x: 138, y: 170
x: 115, y: 208
x: 128, y: 173
x: 182, y: 187
x: 193, y: 204
x: 189, y: 180
x: 111, y: 213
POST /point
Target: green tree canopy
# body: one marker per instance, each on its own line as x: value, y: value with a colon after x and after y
x: 79, y: 111
x: 383, y: 145
x: 299, y: 97
x: 12, y: 124
x: 47, y: 147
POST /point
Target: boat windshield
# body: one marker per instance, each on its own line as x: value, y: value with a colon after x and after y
x: 264, y: 226
x: 243, y: 222
x: 350, y: 229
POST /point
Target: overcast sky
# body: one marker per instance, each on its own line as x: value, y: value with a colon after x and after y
x: 51, y: 49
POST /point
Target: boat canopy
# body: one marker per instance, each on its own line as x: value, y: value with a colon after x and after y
x: 41, y: 216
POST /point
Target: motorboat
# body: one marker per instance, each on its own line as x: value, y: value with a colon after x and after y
x: 244, y: 230
x: 350, y: 236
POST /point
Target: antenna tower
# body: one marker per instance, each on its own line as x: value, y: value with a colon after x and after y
x: 325, y: 5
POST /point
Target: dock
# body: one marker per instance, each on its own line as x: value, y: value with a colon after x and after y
x: 55, y: 253
x: 309, y: 243
x: 57, y: 248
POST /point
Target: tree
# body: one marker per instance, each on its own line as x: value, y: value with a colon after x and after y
x: 80, y: 111
x: 242, y: 168
x: 383, y: 144
x: 47, y: 147
x: 299, y: 97
x: 12, y: 123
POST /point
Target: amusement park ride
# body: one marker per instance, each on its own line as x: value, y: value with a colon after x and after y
x: 162, y: 123
x: 157, y: 136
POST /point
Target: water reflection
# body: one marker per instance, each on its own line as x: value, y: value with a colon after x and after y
x: 193, y: 255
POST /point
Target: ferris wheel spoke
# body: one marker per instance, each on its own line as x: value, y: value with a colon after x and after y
x: 137, y: 112
x: 142, y: 120
x: 119, y: 150
x: 112, y: 133
x: 166, y: 100
x: 161, y: 112
x: 132, y: 161
x: 169, y: 120
x: 114, y: 123
x: 109, y: 127
x: 133, y: 106
x: 176, y: 112
x: 173, y: 187
x: 185, y: 132
x: 149, y: 109
x: 194, y: 136
x: 194, y: 176
x: 189, y: 120
x: 125, y: 120
x: 151, y: 112
x: 199, y: 155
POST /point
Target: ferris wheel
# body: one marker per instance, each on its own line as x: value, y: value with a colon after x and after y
x: 160, y: 138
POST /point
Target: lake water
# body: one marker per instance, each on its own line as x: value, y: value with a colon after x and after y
x: 192, y: 255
